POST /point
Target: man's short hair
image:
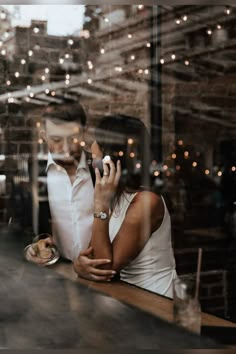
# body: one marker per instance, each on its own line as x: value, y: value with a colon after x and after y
x: 73, y: 112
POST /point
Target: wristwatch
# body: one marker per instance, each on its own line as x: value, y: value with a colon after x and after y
x: 101, y: 215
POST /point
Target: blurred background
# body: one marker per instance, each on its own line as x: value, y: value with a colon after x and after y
x: 171, y: 66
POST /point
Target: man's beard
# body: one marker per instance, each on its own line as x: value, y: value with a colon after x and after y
x: 64, y: 161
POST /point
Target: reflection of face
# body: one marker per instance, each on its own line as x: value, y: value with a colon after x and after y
x: 64, y: 140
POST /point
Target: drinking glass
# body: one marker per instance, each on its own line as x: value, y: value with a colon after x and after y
x: 187, y: 309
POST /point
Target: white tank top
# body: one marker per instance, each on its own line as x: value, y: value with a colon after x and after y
x: 154, y: 267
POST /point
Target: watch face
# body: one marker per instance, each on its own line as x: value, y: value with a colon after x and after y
x: 103, y: 216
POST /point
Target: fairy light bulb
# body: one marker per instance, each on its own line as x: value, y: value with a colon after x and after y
x: 61, y: 60
x: 40, y: 141
x: 219, y: 27
x: 129, y: 36
x: 132, y: 155
x: 233, y: 168
x: 43, y: 77
x: 132, y: 57
x: 140, y: 71
x: 140, y: 7
x: 90, y: 81
x: 53, y: 93
x: 8, y: 82
x: 173, y: 156
x: 36, y: 30
x: 1, y: 43
x: 28, y: 87
x: 156, y: 173
x: 130, y: 141
x: 17, y: 74
x: 67, y: 56
x: 120, y: 153
x: 165, y: 167
x: 148, y: 44
x: 102, y: 50
x: 162, y: 61
x: 138, y: 165
x: 178, y: 21
x: 3, y: 15
x: 82, y: 143
x: 180, y: 142
x: 46, y: 70
x: 146, y: 71
x: 185, y: 18
x: 38, y: 124
x: 3, y: 52
x: 30, y: 53
x: 207, y: 172
x: 106, y: 19
x: 23, y: 61
x: 31, y: 94
x: 209, y: 31
x: 47, y: 91
x: 67, y: 82
x: 70, y: 41
x: 219, y: 173
x: 194, y: 164
x: 67, y: 76
x: 173, y: 56
x: 186, y: 62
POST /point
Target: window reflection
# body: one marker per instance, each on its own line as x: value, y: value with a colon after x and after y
x: 173, y: 67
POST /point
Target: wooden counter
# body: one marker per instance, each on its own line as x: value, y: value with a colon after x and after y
x: 145, y: 300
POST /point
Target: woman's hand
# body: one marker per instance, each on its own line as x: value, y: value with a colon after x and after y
x: 106, y: 186
x: 86, y: 267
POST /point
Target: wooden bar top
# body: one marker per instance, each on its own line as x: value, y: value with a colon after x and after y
x: 144, y: 300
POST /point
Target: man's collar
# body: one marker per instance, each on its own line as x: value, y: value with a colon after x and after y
x: 82, y: 163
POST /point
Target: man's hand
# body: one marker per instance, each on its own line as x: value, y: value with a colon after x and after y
x: 33, y: 256
x: 86, y: 267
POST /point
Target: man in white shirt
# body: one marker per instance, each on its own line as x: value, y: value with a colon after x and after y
x: 70, y: 185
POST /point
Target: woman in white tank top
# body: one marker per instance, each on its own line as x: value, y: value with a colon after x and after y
x: 131, y: 230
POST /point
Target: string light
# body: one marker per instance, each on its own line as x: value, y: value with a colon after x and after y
x: 219, y: 173
x: 178, y: 167
x: 165, y: 167
x: 40, y: 141
x: 140, y: 71
x: 178, y: 21
x: 27, y: 99
x: 227, y: 10
x: 120, y: 153
x: 67, y: 56
x: 90, y: 81
x: 102, y: 50
x: 140, y: 7
x: 23, y: 61
x: 46, y: 70
x: 129, y: 36
x: 132, y: 57
x: 207, y: 172
x: 219, y: 27
x: 156, y: 173
x: 180, y: 142
x: 130, y: 141
x: 132, y: 155
x: 30, y: 53
x: 6, y: 34
x: 82, y: 143
x: 36, y: 30
x: 8, y: 82
x: 162, y: 61
x: 186, y: 62
x: 31, y: 94
x: 3, y: 52
x: 61, y: 60
x: 28, y: 87
x: 106, y: 19
x: 17, y: 74
x: 173, y: 156
x: 118, y: 68
x: 233, y: 168
x: 75, y: 140
x: 67, y: 76
x: 146, y: 71
x: 185, y: 18
x: 67, y: 82
x: 194, y: 164
x: 1, y: 43
x: 209, y: 32
x: 70, y: 41
x: 138, y: 165
x: 53, y: 93
x: 173, y: 56
x: 47, y: 91
x: 38, y: 124
x: 186, y: 154
x: 148, y: 44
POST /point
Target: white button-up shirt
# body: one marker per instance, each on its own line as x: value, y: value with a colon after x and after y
x: 71, y: 207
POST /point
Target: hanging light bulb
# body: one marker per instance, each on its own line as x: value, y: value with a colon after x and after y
x: 140, y: 7
x: 53, y: 93
x: 67, y: 77
x: 178, y: 21
x: 23, y: 61
x: 31, y: 94
x: 43, y: 77
x: 186, y: 62
x: 36, y: 30
x: 173, y: 56
x: 227, y: 10
x: 67, y: 56
x: 17, y: 74
x: 102, y: 50
x: 148, y: 44
x: 162, y: 61
x: 146, y: 71
x: 89, y: 81
x: 132, y: 57
x: 47, y: 91
x: 129, y: 35
x: 8, y: 82
x: 219, y: 27
x: 185, y: 18
x: 70, y: 41
x: 209, y: 31
x: 30, y: 53
x: 61, y: 60
x: 46, y: 70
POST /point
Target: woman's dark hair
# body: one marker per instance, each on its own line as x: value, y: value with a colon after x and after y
x: 126, y: 139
